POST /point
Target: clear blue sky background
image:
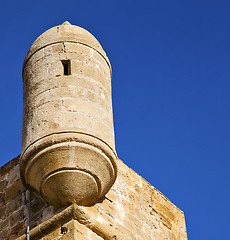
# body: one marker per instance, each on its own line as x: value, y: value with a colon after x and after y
x: 171, y: 85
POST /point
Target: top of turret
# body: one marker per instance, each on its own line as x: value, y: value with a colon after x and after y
x: 65, y: 32
x: 66, y: 23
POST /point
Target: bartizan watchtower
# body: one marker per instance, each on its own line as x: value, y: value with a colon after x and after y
x: 67, y: 182
x: 68, y: 136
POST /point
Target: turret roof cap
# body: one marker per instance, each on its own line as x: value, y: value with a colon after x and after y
x: 66, y: 32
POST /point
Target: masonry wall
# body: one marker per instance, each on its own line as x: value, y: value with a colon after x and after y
x: 132, y: 209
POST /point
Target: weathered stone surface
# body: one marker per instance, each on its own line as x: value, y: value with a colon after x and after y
x: 13, y: 190
x: 2, y: 211
x: 71, y: 231
x: 68, y: 134
x: 7, y: 168
x: 132, y: 209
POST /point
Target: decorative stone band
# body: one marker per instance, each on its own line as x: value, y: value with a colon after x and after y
x: 72, y: 212
x: 65, y: 168
x: 66, y: 33
x: 101, y: 52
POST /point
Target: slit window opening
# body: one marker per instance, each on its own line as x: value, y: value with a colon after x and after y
x: 66, y: 67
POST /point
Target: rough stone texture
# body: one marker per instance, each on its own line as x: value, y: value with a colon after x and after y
x: 71, y: 231
x: 14, y: 203
x: 68, y: 134
x: 132, y: 209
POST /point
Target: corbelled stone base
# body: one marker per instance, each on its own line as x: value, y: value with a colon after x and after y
x: 68, y: 168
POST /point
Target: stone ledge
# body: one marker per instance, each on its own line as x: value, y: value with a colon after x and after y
x: 72, y: 212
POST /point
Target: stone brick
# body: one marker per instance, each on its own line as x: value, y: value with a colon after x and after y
x: 13, y: 190
x: 3, y: 184
x: 81, y: 68
x: 81, y: 232
x: 37, y: 206
x: 2, y: 211
x: 165, y: 221
x: 2, y: 198
x: 35, y: 218
x: 4, y: 234
x: 4, y: 224
x: 133, y: 222
x: 14, y: 175
x: 124, y: 231
x: 106, y: 207
x: 49, y: 50
x: 100, y: 60
x: 6, y: 169
x: 158, y: 236
x: 96, y: 97
x: 165, y: 211
x: 112, y: 195
x: 17, y: 217
x: 14, y: 231
x: 47, y: 213
x: 78, y: 49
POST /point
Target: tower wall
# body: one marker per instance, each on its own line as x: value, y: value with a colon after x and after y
x: 77, y: 102
x: 132, y: 209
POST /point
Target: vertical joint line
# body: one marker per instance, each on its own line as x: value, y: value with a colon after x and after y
x: 28, y: 219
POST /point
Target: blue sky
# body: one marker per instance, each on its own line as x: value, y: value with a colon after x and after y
x: 171, y: 85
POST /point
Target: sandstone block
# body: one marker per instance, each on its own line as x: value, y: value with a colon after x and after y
x: 13, y: 190
x: 3, y: 184
x: 2, y: 199
x: 2, y: 212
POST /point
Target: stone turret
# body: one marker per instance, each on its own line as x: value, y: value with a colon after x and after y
x: 68, y: 154
x: 68, y: 150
